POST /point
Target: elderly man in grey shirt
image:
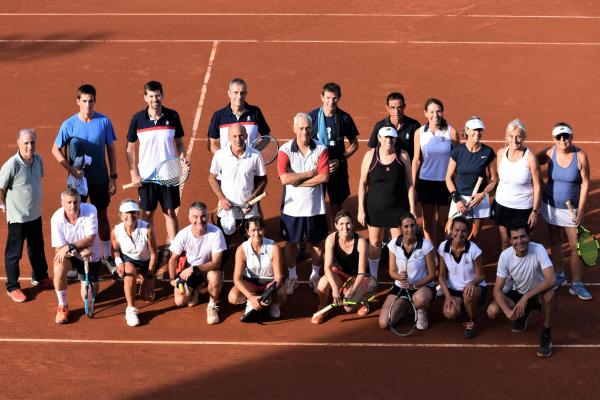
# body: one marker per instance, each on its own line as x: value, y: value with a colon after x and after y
x: 21, y: 200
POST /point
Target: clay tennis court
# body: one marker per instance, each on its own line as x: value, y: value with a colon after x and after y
x: 536, y: 61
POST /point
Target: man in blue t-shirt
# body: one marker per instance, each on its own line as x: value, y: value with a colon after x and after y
x: 89, y: 133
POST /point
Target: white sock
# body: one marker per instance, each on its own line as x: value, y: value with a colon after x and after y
x: 292, y: 272
x: 106, y: 248
x: 316, y: 271
x: 373, y: 267
x: 62, y: 297
x: 211, y: 302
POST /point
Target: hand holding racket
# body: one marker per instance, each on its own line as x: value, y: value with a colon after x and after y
x: 268, y: 147
x: 587, y: 245
x: 358, y: 289
x: 402, y: 315
x: 264, y: 300
x: 90, y: 290
x: 467, y: 211
x: 171, y: 172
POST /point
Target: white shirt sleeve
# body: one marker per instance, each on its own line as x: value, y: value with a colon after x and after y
x: 503, y: 264
x: 427, y: 247
x: 90, y: 227
x: 56, y: 234
x: 260, y: 166
x: 218, y: 242
x: 214, y: 164
x: 542, y: 257
x: 178, y: 243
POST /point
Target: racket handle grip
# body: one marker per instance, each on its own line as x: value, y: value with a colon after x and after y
x: 323, y: 311
x: 571, y: 210
x: 477, y: 185
x: 129, y: 185
x: 181, y: 288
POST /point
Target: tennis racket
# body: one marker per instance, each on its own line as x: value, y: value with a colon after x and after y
x: 268, y: 147
x: 181, y: 284
x: 171, y: 172
x: 468, y: 215
x: 358, y: 289
x: 402, y: 315
x: 265, y: 300
x: 587, y: 245
x: 90, y: 291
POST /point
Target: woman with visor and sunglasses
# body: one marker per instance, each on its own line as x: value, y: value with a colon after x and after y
x: 568, y: 180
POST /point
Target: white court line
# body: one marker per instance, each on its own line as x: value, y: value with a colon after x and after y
x: 211, y: 59
x: 359, y: 15
x: 289, y: 344
x: 395, y: 42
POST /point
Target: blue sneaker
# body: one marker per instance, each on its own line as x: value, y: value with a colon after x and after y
x: 577, y: 289
x: 561, y: 279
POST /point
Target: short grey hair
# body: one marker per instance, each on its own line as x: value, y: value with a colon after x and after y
x: 516, y: 124
x: 199, y: 205
x: 304, y: 116
x: 70, y: 192
x: 237, y: 81
x: 26, y: 131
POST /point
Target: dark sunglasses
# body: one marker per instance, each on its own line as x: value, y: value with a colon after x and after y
x: 563, y: 136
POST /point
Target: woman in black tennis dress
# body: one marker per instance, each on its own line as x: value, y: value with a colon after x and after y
x: 385, y: 192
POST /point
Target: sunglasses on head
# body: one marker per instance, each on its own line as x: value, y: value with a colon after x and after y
x: 562, y: 136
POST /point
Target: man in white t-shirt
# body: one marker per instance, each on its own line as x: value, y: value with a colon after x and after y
x: 242, y: 173
x: 532, y: 274
x: 74, y: 229
x: 203, y: 245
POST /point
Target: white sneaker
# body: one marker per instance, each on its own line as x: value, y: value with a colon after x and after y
x: 422, y: 321
x: 290, y: 285
x: 131, y: 316
x: 212, y: 315
x: 248, y: 307
x: 274, y: 311
x: 72, y: 274
x: 313, y: 281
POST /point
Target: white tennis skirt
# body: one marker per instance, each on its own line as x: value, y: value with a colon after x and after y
x: 557, y: 216
x: 481, y: 210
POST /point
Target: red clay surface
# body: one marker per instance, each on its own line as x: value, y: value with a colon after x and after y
x: 540, y: 84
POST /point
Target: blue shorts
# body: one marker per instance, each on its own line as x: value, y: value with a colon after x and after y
x: 293, y: 229
x: 142, y: 266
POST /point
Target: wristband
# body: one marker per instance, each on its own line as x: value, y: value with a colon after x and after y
x: 455, y: 196
x: 195, y: 268
x: 72, y: 248
x: 535, y: 211
x: 118, y: 261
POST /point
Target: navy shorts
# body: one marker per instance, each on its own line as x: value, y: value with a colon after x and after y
x: 338, y: 187
x: 459, y: 293
x: 432, y: 192
x: 395, y: 291
x: 142, y: 266
x: 98, y: 195
x: 151, y: 194
x: 94, y: 269
x: 293, y: 229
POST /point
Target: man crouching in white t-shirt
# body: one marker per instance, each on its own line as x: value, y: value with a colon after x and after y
x: 532, y: 274
x: 203, y: 245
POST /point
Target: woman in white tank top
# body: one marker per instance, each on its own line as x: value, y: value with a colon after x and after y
x: 518, y: 195
x: 257, y: 263
x: 433, y: 143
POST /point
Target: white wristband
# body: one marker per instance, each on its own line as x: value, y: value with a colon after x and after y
x: 118, y: 261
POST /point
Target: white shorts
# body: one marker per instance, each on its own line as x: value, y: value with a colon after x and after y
x: 558, y: 216
x: 481, y: 210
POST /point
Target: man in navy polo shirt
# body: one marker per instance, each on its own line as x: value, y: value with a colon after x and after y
x: 237, y: 111
x: 160, y: 135
x: 404, y: 125
x: 331, y: 126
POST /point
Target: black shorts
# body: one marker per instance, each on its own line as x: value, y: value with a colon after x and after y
x: 293, y: 229
x: 151, y: 194
x: 532, y: 304
x: 261, y: 284
x: 432, y: 192
x: 94, y: 269
x: 338, y: 187
x: 503, y: 216
x: 142, y: 266
x: 98, y: 195
x: 197, y: 278
x: 395, y: 291
x: 459, y: 293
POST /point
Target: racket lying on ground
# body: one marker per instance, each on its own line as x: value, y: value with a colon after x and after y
x: 468, y: 215
x: 265, y: 300
x: 402, y: 315
x: 268, y: 147
x: 237, y: 210
x: 90, y: 291
x: 587, y: 245
x: 358, y: 289
x: 171, y: 172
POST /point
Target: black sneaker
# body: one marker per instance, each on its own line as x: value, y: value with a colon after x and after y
x: 520, y: 324
x: 545, y: 348
x: 470, y: 329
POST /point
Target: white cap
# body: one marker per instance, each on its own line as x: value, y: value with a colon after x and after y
x: 388, y: 131
x: 129, y: 207
x: 475, y: 123
x: 559, y: 130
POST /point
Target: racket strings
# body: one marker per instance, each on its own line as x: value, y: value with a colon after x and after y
x: 588, y: 248
x: 359, y: 288
x: 268, y: 148
x: 172, y: 172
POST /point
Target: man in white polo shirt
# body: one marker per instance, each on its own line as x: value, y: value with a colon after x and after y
x: 74, y: 229
x: 243, y: 177
x: 303, y: 167
x: 532, y: 274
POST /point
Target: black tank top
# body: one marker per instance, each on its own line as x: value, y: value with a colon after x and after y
x: 347, y: 262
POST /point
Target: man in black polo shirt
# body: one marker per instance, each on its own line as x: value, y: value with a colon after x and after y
x: 404, y: 125
x: 160, y: 135
x: 331, y: 126
x: 237, y: 111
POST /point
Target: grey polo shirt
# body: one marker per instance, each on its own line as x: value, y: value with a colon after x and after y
x: 22, y: 185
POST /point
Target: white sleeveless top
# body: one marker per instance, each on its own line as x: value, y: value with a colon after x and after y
x: 259, y: 265
x: 515, y: 188
x: 435, y: 148
x: 136, y: 245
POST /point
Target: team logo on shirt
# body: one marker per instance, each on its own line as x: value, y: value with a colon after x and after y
x: 167, y: 123
x: 248, y: 118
